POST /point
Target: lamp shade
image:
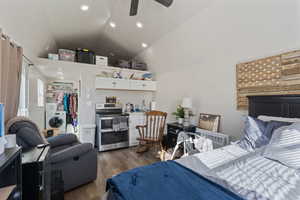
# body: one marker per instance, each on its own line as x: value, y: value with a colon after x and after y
x: 187, y: 102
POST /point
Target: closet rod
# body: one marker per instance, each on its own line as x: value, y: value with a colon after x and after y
x: 30, y: 63
x: 4, y: 36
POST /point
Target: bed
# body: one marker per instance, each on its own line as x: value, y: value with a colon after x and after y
x: 227, y: 173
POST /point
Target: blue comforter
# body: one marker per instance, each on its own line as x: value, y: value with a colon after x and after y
x: 165, y: 181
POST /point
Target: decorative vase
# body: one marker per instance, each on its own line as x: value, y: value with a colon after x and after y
x: 180, y: 120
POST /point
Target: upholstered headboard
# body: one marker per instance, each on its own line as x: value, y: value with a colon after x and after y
x: 277, y: 106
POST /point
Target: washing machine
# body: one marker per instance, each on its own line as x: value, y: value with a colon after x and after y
x: 56, y: 120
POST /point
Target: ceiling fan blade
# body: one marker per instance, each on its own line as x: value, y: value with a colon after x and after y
x: 134, y: 7
x: 166, y: 3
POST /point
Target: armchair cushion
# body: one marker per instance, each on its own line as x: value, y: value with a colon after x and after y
x: 72, y: 152
x: 61, y: 140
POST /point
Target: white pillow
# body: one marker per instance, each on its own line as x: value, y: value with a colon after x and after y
x: 286, y: 136
x: 284, y: 146
x: 279, y: 119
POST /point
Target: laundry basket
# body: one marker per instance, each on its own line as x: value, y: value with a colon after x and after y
x: 218, y: 139
x: 87, y: 133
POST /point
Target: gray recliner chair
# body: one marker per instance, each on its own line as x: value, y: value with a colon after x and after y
x: 77, y: 161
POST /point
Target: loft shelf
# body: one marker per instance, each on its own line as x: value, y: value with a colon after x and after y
x: 60, y: 63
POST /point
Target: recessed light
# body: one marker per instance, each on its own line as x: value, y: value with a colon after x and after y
x: 112, y: 24
x: 144, y: 45
x: 84, y: 7
x: 139, y: 24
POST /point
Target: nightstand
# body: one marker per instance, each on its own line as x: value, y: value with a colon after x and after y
x: 173, y: 129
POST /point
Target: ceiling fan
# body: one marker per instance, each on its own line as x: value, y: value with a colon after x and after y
x: 135, y: 5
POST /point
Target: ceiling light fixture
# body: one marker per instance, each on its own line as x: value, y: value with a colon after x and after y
x: 144, y: 45
x: 112, y: 24
x: 139, y: 24
x: 84, y: 7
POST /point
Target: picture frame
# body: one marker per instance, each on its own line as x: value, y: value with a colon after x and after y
x: 209, y: 122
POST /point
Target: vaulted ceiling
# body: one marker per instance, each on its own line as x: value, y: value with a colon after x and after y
x: 70, y: 27
x: 73, y: 28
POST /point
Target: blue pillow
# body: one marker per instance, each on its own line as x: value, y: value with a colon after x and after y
x: 254, y: 134
x: 258, y: 133
x: 272, y: 126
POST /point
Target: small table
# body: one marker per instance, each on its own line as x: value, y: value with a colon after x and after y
x: 36, y: 174
x: 173, y: 129
x: 11, y: 174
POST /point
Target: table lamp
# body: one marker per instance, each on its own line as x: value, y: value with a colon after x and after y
x: 187, y: 105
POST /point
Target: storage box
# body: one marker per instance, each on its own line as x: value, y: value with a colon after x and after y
x: 52, y: 56
x: 66, y: 55
x: 101, y: 60
x: 85, y: 56
x: 138, y: 65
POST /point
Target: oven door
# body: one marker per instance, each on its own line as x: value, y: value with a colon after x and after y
x: 106, y: 124
x: 111, y: 137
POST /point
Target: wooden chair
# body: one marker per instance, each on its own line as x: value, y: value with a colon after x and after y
x: 152, y: 132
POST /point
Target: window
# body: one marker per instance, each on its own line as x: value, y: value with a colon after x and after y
x: 23, y: 99
x: 40, y: 92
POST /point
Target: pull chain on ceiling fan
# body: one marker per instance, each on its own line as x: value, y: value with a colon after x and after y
x: 135, y: 5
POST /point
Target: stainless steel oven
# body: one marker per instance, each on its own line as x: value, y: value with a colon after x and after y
x: 112, y: 128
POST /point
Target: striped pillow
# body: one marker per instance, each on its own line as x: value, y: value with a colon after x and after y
x: 286, y: 136
x: 284, y: 146
x: 288, y: 156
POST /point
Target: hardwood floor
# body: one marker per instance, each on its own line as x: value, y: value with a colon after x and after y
x: 109, y: 164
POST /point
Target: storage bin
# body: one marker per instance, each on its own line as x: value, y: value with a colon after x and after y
x: 101, y: 60
x: 87, y: 134
x: 85, y: 56
x: 52, y: 56
x: 66, y: 55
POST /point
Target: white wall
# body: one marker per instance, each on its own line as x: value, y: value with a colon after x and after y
x: 24, y: 22
x: 36, y: 114
x: 198, y: 58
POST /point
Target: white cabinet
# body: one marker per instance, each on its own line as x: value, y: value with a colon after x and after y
x: 142, y: 85
x: 110, y: 83
x: 124, y: 84
x: 135, y: 119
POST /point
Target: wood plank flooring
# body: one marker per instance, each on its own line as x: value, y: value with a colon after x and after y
x: 109, y: 164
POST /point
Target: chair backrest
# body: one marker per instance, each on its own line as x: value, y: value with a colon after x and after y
x: 27, y: 133
x: 209, y: 122
x: 155, y: 123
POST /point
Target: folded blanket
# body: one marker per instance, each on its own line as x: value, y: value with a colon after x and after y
x: 165, y: 181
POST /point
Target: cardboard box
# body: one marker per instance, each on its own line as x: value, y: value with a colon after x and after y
x: 55, y: 132
x: 101, y: 60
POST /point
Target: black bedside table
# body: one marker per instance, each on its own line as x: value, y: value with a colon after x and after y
x: 173, y: 129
